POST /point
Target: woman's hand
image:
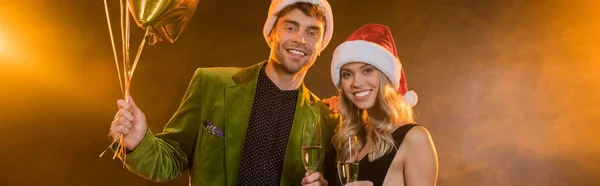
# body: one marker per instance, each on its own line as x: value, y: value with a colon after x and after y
x: 360, y: 183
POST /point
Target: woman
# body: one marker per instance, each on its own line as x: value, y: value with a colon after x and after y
x: 377, y: 108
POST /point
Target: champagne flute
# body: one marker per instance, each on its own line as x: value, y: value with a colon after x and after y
x: 347, y: 160
x: 311, y: 145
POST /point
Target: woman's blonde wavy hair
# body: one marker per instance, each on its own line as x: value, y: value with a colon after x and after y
x: 395, y: 112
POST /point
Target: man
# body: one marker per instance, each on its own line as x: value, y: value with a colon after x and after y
x: 242, y: 126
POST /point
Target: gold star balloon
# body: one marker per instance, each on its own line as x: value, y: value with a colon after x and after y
x: 166, y: 19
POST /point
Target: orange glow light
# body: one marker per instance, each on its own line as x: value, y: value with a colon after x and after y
x: 2, y: 40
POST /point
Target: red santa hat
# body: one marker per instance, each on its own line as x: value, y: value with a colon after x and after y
x: 373, y: 44
x: 277, y: 5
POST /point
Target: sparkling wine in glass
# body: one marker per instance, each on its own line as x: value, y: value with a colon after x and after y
x: 311, y: 145
x: 347, y: 160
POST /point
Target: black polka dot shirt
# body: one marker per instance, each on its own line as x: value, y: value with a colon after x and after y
x: 271, y: 120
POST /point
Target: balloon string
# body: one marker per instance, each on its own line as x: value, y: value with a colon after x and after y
x: 126, y: 66
x: 128, y: 70
x: 111, y: 144
x: 112, y: 41
x: 123, y: 44
x: 125, y: 37
x: 118, y: 69
x: 116, y: 139
x: 121, y: 148
x: 139, y: 52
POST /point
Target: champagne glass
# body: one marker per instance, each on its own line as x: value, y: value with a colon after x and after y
x: 347, y: 160
x: 311, y: 145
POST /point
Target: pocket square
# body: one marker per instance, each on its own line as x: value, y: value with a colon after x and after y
x: 213, y: 129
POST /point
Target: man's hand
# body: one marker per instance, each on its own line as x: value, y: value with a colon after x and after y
x: 314, y: 179
x: 129, y: 123
x: 333, y: 103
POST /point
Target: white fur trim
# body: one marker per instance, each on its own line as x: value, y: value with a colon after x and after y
x: 277, y: 5
x: 367, y: 52
x: 410, y: 98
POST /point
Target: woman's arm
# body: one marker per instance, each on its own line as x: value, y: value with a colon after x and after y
x: 421, y: 161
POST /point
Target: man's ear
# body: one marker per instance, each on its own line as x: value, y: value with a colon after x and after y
x: 270, y: 38
x: 320, y: 50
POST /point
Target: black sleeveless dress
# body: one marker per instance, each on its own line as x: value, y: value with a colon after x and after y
x: 374, y: 171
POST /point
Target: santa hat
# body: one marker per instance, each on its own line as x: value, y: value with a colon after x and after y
x: 277, y: 5
x: 373, y: 44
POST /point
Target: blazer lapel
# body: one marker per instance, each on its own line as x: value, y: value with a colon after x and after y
x: 292, y: 164
x: 238, y: 104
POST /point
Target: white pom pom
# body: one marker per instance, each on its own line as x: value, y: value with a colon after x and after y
x: 411, y: 98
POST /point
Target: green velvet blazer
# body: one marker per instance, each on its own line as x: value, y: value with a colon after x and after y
x: 222, y: 96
